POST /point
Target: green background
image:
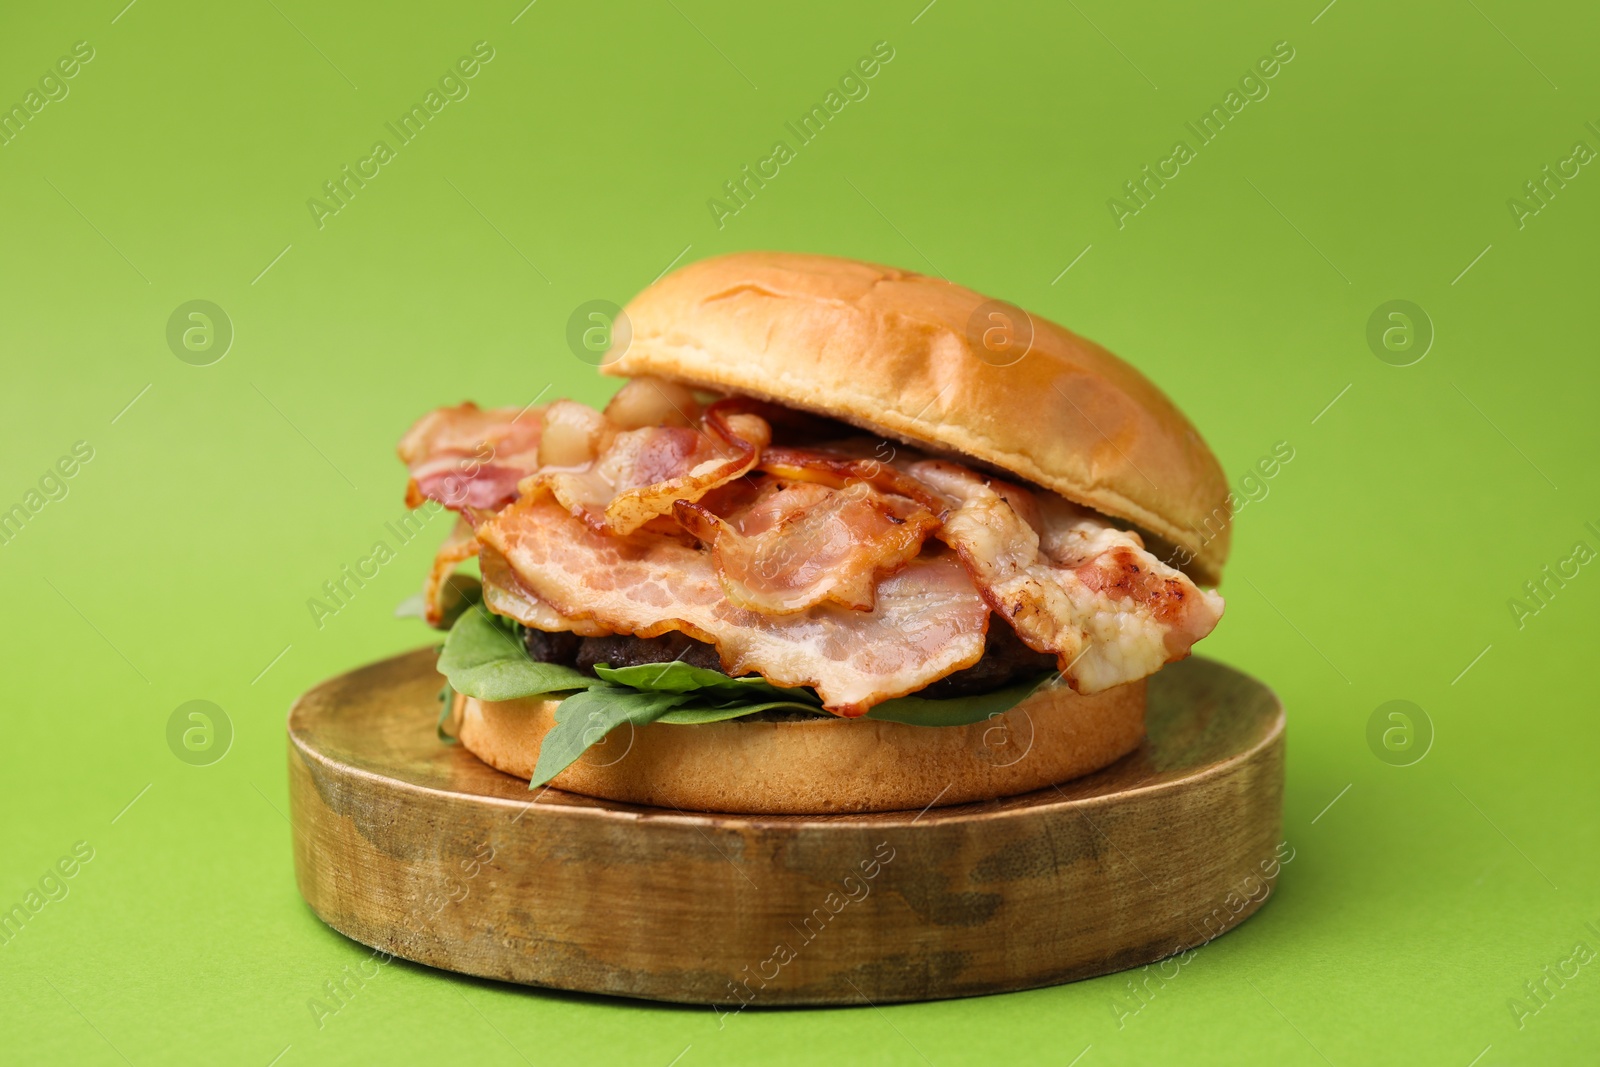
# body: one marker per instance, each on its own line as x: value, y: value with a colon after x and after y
x: 1378, y: 567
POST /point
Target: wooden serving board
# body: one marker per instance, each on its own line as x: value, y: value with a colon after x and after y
x: 416, y: 848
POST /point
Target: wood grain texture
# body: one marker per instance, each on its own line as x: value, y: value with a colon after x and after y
x: 419, y: 849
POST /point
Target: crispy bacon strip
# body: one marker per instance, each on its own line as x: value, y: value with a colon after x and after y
x: 837, y: 469
x: 1076, y: 587
x: 642, y: 473
x: 928, y: 620
x: 466, y: 457
x: 816, y: 571
x: 505, y: 594
x: 460, y: 545
x: 802, y: 544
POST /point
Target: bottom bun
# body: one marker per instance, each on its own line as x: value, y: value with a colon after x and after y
x: 818, y: 766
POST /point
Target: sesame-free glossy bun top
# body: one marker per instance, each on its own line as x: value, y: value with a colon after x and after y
x: 905, y: 356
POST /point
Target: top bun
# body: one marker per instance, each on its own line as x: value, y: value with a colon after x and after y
x: 914, y: 358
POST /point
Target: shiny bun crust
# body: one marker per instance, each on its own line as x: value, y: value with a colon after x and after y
x: 821, y: 766
x: 904, y: 356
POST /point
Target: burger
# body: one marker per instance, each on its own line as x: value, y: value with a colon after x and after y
x: 848, y: 538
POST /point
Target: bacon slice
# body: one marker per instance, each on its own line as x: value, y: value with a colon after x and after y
x: 799, y: 545
x: 504, y: 594
x: 642, y: 473
x: 928, y: 620
x: 1075, y: 586
x: 839, y: 469
x: 816, y: 568
x: 467, y: 457
x: 460, y: 545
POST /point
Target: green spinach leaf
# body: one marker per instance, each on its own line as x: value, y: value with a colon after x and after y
x: 698, y: 713
x: 677, y: 677
x: 957, y: 711
x: 446, y: 701
x: 584, y: 719
x: 483, y: 657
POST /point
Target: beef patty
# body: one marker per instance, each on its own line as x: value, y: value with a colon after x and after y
x: 1005, y: 658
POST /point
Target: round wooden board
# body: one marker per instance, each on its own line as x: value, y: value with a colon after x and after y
x: 417, y: 848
